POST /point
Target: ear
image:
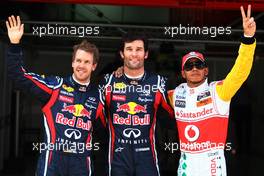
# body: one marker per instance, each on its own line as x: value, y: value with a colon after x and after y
x: 183, y: 74
x: 206, y: 71
x: 146, y: 55
x: 94, y: 67
x: 72, y: 62
x: 121, y: 54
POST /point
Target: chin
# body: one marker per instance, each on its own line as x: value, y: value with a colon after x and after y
x: 132, y: 67
x: 195, y: 81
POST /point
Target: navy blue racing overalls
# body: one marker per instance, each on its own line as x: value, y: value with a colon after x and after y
x: 69, y: 109
x: 131, y: 107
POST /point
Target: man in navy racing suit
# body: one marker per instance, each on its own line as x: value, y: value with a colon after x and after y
x: 131, y: 104
x: 70, y: 105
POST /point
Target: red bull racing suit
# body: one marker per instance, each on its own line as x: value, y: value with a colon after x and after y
x: 68, y: 110
x: 202, y: 118
x: 131, y: 106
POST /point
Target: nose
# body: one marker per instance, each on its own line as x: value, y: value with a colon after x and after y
x: 81, y: 64
x: 194, y: 68
x: 134, y: 53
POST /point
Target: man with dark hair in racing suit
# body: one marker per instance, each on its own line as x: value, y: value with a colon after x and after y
x: 131, y: 104
x: 202, y: 109
x: 70, y: 105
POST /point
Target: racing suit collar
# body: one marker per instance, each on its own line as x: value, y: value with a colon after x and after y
x: 81, y: 87
x: 138, y: 77
x: 135, y: 81
x: 83, y: 84
x: 198, y: 89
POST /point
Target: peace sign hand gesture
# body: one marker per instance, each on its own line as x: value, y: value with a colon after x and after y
x: 249, y: 25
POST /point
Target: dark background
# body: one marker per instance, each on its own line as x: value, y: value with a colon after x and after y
x: 51, y: 55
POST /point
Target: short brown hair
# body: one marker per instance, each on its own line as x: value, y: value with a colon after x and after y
x: 132, y: 36
x: 88, y: 47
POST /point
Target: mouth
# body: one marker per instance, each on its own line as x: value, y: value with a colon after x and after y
x: 195, y: 74
x: 80, y: 71
x: 134, y: 60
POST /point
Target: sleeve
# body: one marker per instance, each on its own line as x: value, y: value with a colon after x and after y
x: 101, y: 87
x: 104, y: 95
x: 170, y: 97
x: 25, y: 81
x: 100, y: 113
x: 105, y: 89
x: 227, y: 88
x: 164, y: 98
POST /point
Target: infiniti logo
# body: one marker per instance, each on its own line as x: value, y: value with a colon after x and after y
x: 131, y: 131
x: 119, y: 149
x: 92, y: 98
x: 72, y: 132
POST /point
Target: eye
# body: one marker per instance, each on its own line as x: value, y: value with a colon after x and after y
x: 87, y: 62
x: 129, y: 49
x: 139, y: 49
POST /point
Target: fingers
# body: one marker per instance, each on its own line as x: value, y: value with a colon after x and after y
x: 22, y: 27
x: 253, y: 24
x: 14, y: 20
x: 249, y: 22
x: 7, y: 25
x: 18, y: 21
x: 10, y: 22
x: 242, y: 12
x: 249, y: 11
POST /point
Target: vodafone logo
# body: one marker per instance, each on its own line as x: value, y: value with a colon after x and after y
x: 191, y: 133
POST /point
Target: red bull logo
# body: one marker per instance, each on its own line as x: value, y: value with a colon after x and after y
x: 64, y: 120
x: 78, y: 122
x: 77, y: 110
x: 131, y: 108
x: 123, y: 107
x: 131, y: 119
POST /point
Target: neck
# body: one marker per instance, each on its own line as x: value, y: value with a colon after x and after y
x: 133, y: 72
x: 195, y: 84
x: 84, y: 83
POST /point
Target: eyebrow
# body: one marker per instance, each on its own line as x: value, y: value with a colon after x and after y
x: 138, y: 47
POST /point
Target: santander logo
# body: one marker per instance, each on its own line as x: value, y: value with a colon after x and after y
x: 202, y: 113
x: 191, y: 133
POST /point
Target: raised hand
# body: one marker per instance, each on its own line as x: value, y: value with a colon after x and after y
x: 15, y: 29
x: 249, y: 24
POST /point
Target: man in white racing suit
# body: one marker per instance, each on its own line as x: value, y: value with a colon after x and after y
x: 202, y: 109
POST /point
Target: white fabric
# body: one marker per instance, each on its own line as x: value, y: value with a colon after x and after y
x: 202, y: 120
